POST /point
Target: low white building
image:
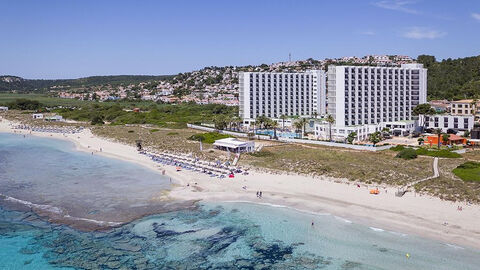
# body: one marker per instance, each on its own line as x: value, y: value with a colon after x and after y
x: 3, y: 109
x: 37, y: 116
x: 446, y: 121
x: 322, y: 130
x: 234, y: 145
x: 55, y: 118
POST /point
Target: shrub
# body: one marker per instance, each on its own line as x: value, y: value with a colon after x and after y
x: 397, y: 148
x: 97, y: 120
x: 25, y: 104
x: 407, y: 153
x: 172, y: 133
x: 154, y: 130
x: 261, y: 154
x: 438, y: 153
x: 131, y: 131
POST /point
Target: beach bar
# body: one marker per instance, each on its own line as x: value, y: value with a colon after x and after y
x: 234, y: 145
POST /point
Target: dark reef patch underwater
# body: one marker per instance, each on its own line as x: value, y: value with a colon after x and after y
x: 190, y: 239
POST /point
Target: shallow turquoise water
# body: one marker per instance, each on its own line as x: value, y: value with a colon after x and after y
x: 212, y: 236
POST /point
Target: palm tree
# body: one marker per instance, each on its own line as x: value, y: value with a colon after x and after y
x: 330, y: 121
x: 298, y: 125
x: 438, y: 131
x: 274, y: 125
x: 303, y: 121
x: 236, y: 122
x: 445, y: 138
x: 375, y: 138
x: 283, y: 117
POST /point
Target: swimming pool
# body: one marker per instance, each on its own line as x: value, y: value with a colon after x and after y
x: 283, y: 134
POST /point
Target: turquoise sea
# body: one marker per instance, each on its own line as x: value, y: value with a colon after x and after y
x: 208, y: 236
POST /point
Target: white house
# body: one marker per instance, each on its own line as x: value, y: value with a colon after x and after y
x: 234, y: 145
x: 3, y: 109
x: 446, y: 121
x: 37, y: 116
x: 55, y: 118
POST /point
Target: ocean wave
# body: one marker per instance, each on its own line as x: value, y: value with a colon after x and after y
x: 57, y: 211
x: 44, y: 207
x: 281, y: 206
x: 454, y: 246
x: 397, y: 233
x: 376, y: 229
x: 343, y: 219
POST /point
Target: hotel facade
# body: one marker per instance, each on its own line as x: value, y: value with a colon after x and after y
x: 366, y: 99
x: 273, y: 94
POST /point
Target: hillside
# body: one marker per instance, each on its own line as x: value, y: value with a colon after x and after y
x: 452, y: 78
x: 14, y: 83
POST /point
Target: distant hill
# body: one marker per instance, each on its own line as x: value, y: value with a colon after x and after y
x: 452, y: 78
x: 14, y: 83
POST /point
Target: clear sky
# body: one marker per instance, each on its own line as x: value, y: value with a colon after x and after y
x: 70, y: 39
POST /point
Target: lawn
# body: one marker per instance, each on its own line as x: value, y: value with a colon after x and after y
x: 468, y: 171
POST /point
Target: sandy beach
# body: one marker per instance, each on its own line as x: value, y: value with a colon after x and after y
x: 423, y: 216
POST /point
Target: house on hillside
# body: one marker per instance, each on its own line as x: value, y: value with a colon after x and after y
x: 55, y: 118
x: 37, y: 116
x: 3, y: 109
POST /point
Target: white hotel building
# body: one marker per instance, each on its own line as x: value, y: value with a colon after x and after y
x: 365, y: 99
x: 274, y: 94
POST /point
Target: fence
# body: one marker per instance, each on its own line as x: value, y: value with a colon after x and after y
x: 264, y: 137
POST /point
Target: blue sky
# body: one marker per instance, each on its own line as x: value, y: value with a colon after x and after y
x: 70, y: 39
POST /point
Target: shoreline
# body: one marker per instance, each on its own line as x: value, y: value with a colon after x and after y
x: 421, y: 216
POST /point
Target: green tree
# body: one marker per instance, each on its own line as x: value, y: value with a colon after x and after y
x: 283, y: 117
x: 445, y: 138
x: 426, y: 60
x: 298, y: 126
x: 375, y: 137
x: 438, y: 132
x: 351, y: 137
x: 330, y: 120
x: 304, y: 122
x: 274, y: 125
x: 97, y: 120
x: 466, y: 134
x: 220, y: 122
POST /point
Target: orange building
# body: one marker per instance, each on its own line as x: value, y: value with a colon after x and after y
x: 452, y: 139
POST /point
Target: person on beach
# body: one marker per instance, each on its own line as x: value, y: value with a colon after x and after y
x: 313, y: 224
x: 260, y: 194
x: 257, y: 194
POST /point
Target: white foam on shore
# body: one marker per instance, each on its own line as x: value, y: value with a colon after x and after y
x: 281, y: 206
x: 343, y: 219
x: 454, y: 246
x: 57, y: 211
x: 376, y: 229
x: 100, y: 222
x: 399, y: 234
x: 44, y: 207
